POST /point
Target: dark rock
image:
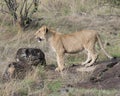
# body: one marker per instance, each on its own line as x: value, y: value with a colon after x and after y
x: 31, y: 56
x: 26, y: 58
x: 16, y: 70
x: 105, y: 76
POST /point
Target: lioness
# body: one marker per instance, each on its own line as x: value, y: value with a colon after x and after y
x: 71, y: 43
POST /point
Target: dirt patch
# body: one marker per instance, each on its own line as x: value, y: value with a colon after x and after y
x: 106, y: 76
x: 103, y: 75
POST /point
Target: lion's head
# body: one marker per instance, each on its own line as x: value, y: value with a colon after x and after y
x: 41, y: 33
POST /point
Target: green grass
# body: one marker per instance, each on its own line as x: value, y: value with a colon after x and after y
x: 23, y: 92
x: 87, y: 92
x: 75, y: 59
x: 115, y: 51
x: 54, y: 86
x: 96, y: 92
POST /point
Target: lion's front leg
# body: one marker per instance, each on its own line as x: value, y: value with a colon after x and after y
x: 60, y: 62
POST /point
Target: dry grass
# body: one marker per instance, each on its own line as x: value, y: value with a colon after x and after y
x: 65, y: 16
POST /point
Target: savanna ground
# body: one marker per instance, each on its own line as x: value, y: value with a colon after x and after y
x: 64, y: 16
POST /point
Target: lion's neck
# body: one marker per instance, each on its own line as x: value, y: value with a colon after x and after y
x: 54, y: 32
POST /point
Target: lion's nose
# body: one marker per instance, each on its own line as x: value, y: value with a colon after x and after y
x: 40, y: 39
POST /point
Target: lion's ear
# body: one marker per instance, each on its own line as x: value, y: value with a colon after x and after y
x: 46, y: 30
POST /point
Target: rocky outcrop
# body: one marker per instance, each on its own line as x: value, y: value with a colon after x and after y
x: 105, y: 76
x: 31, y: 56
x: 26, y: 59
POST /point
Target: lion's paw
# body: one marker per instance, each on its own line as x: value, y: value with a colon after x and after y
x: 83, y: 63
x: 89, y: 64
x: 59, y: 69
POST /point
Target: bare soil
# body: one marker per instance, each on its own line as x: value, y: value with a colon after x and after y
x: 105, y: 76
x: 102, y: 75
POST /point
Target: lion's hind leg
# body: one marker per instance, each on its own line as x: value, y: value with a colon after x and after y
x: 92, y: 53
x: 93, y: 56
x: 88, y: 58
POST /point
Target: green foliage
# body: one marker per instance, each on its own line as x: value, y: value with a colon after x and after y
x: 27, y: 81
x: 115, y: 3
x: 92, y: 92
x: 23, y: 92
x: 115, y: 51
x: 54, y: 86
x: 40, y: 71
x: 74, y: 59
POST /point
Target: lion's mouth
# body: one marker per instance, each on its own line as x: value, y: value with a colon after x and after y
x: 39, y: 39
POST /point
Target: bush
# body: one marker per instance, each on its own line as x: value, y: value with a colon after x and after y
x: 114, y: 3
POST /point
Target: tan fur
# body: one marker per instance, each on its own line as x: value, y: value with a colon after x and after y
x: 71, y: 43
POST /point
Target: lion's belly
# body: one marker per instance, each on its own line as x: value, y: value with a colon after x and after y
x: 74, y: 48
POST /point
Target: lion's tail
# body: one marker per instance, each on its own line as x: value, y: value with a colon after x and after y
x: 101, y: 46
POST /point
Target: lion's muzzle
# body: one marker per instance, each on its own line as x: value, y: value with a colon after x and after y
x: 39, y: 39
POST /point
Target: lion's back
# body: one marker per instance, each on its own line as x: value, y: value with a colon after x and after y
x: 75, y: 41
